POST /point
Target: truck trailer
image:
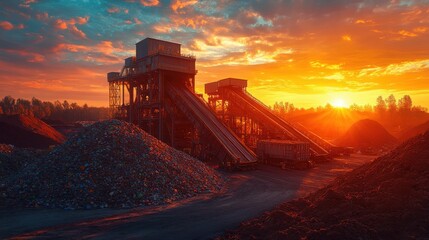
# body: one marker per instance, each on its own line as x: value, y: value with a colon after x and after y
x: 284, y: 153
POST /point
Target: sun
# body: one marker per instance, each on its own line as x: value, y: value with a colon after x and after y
x: 339, y: 103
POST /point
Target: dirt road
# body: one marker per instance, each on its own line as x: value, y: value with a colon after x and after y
x: 248, y: 195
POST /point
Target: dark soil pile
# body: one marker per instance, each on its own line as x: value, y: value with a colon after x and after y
x: 385, y: 199
x: 367, y: 133
x: 415, y: 131
x: 27, y: 132
x: 110, y: 164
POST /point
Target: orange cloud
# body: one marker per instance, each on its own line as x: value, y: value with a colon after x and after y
x: 420, y: 29
x: 42, y: 16
x: 161, y: 28
x: 149, y: 3
x: 316, y: 64
x: 363, y: 21
x: 30, y: 56
x: 82, y: 20
x: 192, y: 22
x: 27, y: 3
x: 5, y: 25
x: 69, y: 47
x: 102, y: 52
x: 137, y: 21
x: 60, y: 24
x: 396, y: 69
x: 113, y: 10
x: 77, y: 32
x: 71, y: 25
x: 179, y: 4
x: 346, y: 38
x: 407, y: 34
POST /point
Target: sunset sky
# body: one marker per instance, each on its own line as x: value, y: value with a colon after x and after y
x: 307, y: 52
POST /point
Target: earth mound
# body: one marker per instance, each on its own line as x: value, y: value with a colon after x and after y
x: 415, y: 131
x: 385, y: 199
x: 28, y: 132
x: 110, y: 164
x: 367, y: 133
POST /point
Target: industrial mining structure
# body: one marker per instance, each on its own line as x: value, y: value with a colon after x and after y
x: 156, y: 91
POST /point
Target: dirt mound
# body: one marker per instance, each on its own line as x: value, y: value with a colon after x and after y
x: 385, y: 199
x: 110, y: 164
x: 415, y: 131
x: 367, y: 133
x: 26, y: 131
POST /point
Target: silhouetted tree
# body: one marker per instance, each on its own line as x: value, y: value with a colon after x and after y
x: 419, y: 109
x: 23, y: 106
x: 74, y: 106
x: 291, y: 108
x: 38, y: 108
x: 58, y: 106
x: 356, y: 108
x: 8, y: 104
x: 53, y: 111
x: 48, y: 108
x: 391, y: 103
x: 380, y: 107
x: 367, y: 108
x: 405, y: 103
x: 66, y: 105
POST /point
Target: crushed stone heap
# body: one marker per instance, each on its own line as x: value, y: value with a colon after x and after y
x: 13, y: 159
x: 385, y: 199
x: 110, y: 164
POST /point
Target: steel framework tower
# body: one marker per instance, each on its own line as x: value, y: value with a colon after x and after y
x: 136, y: 94
x: 156, y: 91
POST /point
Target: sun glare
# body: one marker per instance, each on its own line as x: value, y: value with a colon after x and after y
x: 339, y: 103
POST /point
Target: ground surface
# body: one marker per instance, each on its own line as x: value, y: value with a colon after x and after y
x: 249, y: 194
x: 385, y: 199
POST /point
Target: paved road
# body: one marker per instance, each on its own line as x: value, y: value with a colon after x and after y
x: 248, y: 195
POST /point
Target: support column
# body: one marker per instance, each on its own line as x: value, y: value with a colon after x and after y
x: 160, y: 105
x: 131, y: 109
x: 139, y: 103
x: 150, y: 102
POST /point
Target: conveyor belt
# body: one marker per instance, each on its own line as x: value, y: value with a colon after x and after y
x: 199, y: 111
x: 263, y: 112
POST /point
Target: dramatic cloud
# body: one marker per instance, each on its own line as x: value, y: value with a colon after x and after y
x: 296, y: 51
x: 5, y: 25
x: 149, y: 2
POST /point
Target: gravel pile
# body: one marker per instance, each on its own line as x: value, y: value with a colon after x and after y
x: 13, y: 159
x: 109, y: 164
x: 385, y: 199
x: 6, y: 148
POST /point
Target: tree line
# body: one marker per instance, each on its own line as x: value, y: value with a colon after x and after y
x: 393, y: 114
x: 382, y: 106
x: 54, y: 111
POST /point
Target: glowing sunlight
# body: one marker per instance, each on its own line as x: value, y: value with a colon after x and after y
x: 339, y: 103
